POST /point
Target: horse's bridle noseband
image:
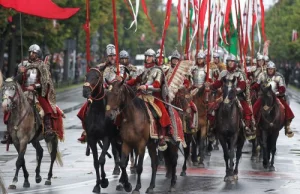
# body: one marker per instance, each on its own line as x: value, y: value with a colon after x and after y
x: 87, y: 84
x: 5, y: 97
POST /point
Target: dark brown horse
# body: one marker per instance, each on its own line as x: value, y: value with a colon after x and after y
x: 23, y: 130
x: 97, y: 127
x: 270, y: 123
x: 135, y: 135
x: 182, y: 100
x: 229, y: 131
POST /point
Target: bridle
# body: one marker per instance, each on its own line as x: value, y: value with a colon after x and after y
x: 87, y: 84
x: 12, y: 98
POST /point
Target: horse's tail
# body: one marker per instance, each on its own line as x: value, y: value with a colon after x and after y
x: 59, y: 160
x: 2, y: 187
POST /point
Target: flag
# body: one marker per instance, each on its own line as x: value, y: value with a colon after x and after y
x: 294, y: 35
x: 40, y: 8
x: 232, y: 38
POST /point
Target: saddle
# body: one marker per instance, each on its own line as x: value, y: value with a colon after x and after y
x: 155, y: 111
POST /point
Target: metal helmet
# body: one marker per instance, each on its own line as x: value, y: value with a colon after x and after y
x: 259, y: 57
x: 110, y: 49
x: 266, y: 58
x: 216, y: 55
x: 124, y: 55
x: 271, y: 65
x: 231, y: 57
x: 158, y: 53
x: 150, y: 52
x: 254, y: 61
x: 36, y: 49
x: 248, y: 59
x: 201, y: 55
x: 176, y: 55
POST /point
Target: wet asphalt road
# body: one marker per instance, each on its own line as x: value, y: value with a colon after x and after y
x: 77, y: 175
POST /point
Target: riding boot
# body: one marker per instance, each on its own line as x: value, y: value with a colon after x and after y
x: 6, y: 138
x: 82, y: 139
x: 249, y: 131
x: 48, y: 125
x: 288, y: 132
x: 162, y: 145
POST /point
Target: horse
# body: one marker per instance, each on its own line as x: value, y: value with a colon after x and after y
x: 182, y: 100
x: 97, y: 127
x: 229, y: 131
x: 23, y: 129
x: 270, y: 123
x: 135, y: 135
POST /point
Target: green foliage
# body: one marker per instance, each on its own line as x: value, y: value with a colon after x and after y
x: 280, y: 20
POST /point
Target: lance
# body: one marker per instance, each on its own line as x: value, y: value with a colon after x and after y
x: 87, y: 31
x: 252, y: 33
x: 197, y: 38
x: 208, y: 49
x: 116, y: 36
x: 187, y: 35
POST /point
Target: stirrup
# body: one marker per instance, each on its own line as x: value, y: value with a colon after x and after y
x: 162, y: 148
x: 289, y: 134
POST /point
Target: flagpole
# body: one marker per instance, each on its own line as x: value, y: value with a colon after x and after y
x: 87, y: 31
x: 208, y: 42
x: 252, y: 33
x: 187, y: 37
x: 21, y: 36
x: 197, y: 40
x: 116, y: 36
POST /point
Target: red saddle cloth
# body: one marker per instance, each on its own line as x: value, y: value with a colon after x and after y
x: 58, y: 125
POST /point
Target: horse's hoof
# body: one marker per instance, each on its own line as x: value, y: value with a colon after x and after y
x: 226, y: 178
x: 271, y: 168
x: 183, y: 173
x: 119, y: 187
x: 48, y: 182
x: 201, y: 165
x: 97, y: 189
x: 150, y: 190
x: 236, y: 177
x: 172, y: 189
x: 116, y: 171
x: 135, y: 192
x: 38, y: 179
x: 127, y: 187
x: 104, y: 183
x: 132, y: 170
x: 12, y: 187
x: 26, y: 184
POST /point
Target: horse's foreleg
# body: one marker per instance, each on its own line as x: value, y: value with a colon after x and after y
x: 21, y: 148
x: 273, y: 150
x: 116, y: 154
x: 194, y: 149
x: 124, y: 183
x: 39, y: 155
x: 186, y: 154
x: 232, y: 144
x: 139, y: 169
x: 264, y: 145
x: 104, y: 180
x: 93, y: 146
x: 239, y: 145
x: 173, y: 153
x: 154, y: 163
x: 53, y: 145
x: 254, y: 146
x: 226, y: 155
x: 202, y: 147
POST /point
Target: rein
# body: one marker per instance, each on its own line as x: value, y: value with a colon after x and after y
x: 87, y: 84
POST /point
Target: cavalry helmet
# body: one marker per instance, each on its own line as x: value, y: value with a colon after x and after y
x: 110, y: 50
x: 266, y: 58
x: 150, y: 52
x: 158, y: 53
x: 259, y: 57
x: 201, y: 55
x: 216, y: 55
x: 271, y: 65
x: 36, y: 49
x: 176, y: 55
x: 124, y: 54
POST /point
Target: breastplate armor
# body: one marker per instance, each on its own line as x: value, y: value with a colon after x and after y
x: 199, y: 74
x: 110, y: 73
x: 256, y: 73
x: 274, y: 81
x: 32, y: 76
x: 151, y: 75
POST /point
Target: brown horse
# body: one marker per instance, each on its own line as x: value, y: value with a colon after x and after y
x: 228, y: 131
x: 270, y: 123
x: 182, y: 100
x: 23, y: 130
x: 135, y: 134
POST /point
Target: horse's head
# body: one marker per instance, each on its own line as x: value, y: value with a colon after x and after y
x: 115, y: 98
x: 10, y: 93
x: 268, y: 96
x: 183, y: 98
x: 93, y: 82
x: 229, y: 95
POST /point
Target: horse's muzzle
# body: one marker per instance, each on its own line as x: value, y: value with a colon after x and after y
x: 86, y: 92
x: 111, y: 114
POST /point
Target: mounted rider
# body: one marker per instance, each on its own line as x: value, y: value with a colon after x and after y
x: 35, y: 79
x: 109, y: 75
x: 151, y: 83
x: 277, y: 82
x: 234, y: 77
x: 124, y: 61
x: 217, y: 61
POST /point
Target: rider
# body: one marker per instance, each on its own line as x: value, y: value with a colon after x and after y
x: 151, y: 81
x: 34, y: 75
x: 228, y: 77
x: 276, y: 80
x: 124, y: 60
x: 221, y: 66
